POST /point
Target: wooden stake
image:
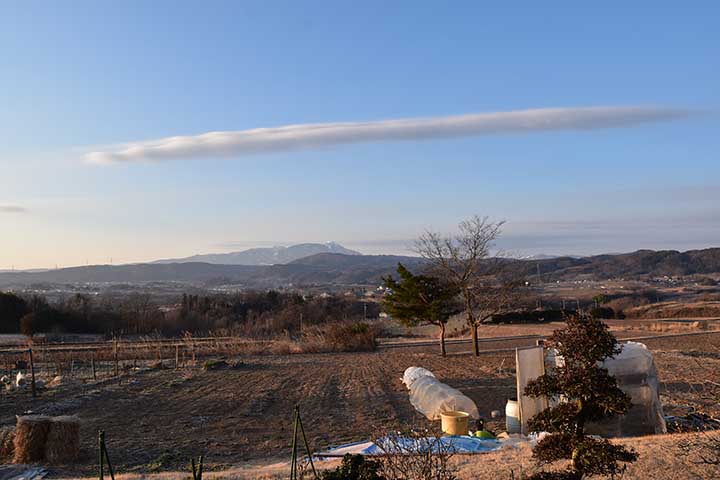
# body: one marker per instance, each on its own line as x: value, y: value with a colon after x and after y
x: 197, y: 472
x: 298, y: 427
x: 307, y: 446
x: 177, y: 356
x: 104, y: 456
x: 293, y: 456
x: 92, y: 365
x: 101, y: 458
x: 32, y: 374
x: 115, y: 348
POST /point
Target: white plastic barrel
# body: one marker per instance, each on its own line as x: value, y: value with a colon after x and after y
x: 512, y: 416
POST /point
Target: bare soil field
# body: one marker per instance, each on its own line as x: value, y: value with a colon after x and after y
x: 157, y: 419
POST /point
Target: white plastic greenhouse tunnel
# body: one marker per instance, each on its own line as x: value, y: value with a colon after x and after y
x: 431, y: 397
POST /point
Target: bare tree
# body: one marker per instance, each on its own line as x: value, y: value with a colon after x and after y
x: 139, y: 309
x: 465, y: 261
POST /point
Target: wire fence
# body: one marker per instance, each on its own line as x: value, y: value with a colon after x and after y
x: 100, y: 360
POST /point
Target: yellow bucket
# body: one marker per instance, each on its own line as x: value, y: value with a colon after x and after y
x: 454, y: 422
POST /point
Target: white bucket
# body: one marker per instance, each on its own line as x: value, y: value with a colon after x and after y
x: 512, y: 416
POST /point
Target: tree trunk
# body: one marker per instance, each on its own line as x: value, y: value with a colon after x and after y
x: 472, y: 323
x: 476, y: 346
x: 442, y: 339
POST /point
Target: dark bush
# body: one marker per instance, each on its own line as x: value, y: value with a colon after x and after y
x: 602, y: 312
x: 12, y: 309
x: 530, y: 316
x: 354, y: 467
x: 589, y: 394
x: 351, y: 337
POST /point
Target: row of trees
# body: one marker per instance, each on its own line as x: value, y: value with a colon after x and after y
x: 463, y: 275
x: 268, y: 313
x: 244, y: 313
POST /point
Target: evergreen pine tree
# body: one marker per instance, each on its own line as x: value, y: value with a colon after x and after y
x: 420, y: 299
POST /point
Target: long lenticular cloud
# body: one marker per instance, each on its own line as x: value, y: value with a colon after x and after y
x: 309, y: 136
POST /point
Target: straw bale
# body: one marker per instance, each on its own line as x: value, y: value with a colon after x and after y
x: 30, y: 436
x: 7, y: 436
x: 63, y: 440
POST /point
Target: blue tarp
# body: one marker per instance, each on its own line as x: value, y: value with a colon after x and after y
x: 406, y: 445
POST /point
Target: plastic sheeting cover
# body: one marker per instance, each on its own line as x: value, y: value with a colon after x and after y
x: 413, y: 373
x: 636, y: 375
x: 431, y: 397
x: 452, y: 444
x: 407, y: 446
x: 635, y: 372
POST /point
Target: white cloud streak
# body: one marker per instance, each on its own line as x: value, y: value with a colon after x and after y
x: 309, y: 136
x: 12, y: 209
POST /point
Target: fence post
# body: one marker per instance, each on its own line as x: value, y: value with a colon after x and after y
x: 92, y: 365
x: 32, y: 373
x: 101, y: 446
x: 115, y: 351
x: 177, y: 356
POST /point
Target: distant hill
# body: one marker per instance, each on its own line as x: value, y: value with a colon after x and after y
x: 341, y: 269
x: 265, y: 256
x: 642, y: 263
x: 320, y: 269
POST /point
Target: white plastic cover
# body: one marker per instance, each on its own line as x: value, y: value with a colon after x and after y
x: 431, y: 397
x: 413, y: 373
x: 635, y: 372
x: 636, y: 375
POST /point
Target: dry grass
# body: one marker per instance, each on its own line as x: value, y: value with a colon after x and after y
x: 661, y: 458
x: 335, y: 337
x: 707, y: 309
x: 676, y: 327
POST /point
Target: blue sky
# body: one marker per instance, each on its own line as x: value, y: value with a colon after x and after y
x: 101, y: 76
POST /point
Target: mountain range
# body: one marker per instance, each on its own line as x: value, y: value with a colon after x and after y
x: 265, y: 256
x: 342, y: 269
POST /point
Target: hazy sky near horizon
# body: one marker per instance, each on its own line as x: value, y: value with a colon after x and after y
x: 140, y: 130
